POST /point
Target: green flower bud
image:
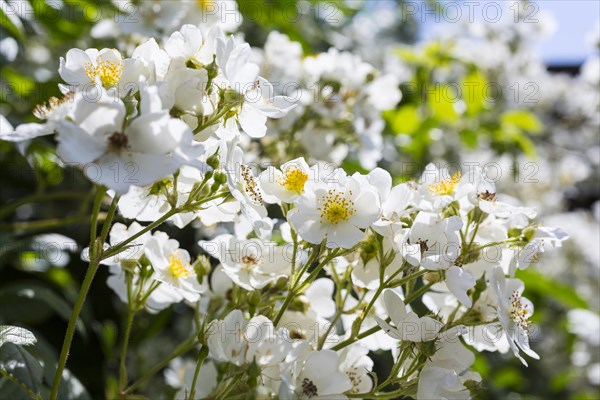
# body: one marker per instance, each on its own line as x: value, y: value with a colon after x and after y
x: 254, y: 298
x: 214, y: 161
x: 212, y: 69
x: 514, y: 232
x: 220, y: 177
x: 233, y: 97
x: 529, y: 232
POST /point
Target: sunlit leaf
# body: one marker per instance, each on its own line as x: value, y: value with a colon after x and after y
x: 473, y: 88
x: 521, y: 119
x: 16, y: 335
x: 545, y: 286
x: 441, y: 99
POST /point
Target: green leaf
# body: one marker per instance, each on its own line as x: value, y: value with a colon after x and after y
x: 473, y: 88
x: 469, y: 138
x: 22, y: 370
x: 406, y: 120
x: 523, y: 141
x: 16, y: 335
x: 10, y: 26
x: 521, y: 119
x: 30, y: 302
x: 440, y: 99
x: 544, y: 286
x: 20, y: 84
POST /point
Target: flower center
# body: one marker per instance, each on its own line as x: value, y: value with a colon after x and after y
x: 445, y: 186
x: 336, y: 207
x: 355, y: 378
x: 108, y: 71
x: 178, y: 268
x: 249, y: 261
x: 487, y: 196
x: 204, y: 5
x: 294, y: 179
x: 117, y: 141
x: 519, y: 312
x: 309, y: 388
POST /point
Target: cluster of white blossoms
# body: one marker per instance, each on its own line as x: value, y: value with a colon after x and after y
x: 340, y: 100
x: 303, y: 269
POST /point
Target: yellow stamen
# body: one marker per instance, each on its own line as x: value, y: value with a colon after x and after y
x: 178, y: 268
x: 109, y: 72
x: 205, y: 5
x: 42, y: 111
x: 336, y: 207
x: 519, y: 312
x: 445, y: 186
x: 294, y: 179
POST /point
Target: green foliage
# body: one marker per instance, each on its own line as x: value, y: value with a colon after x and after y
x: 23, y: 371
x: 461, y: 105
x: 32, y: 302
x: 544, y: 286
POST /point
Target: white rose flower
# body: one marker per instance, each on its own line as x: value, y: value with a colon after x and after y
x: 407, y: 324
x: 147, y: 149
x: 336, y: 212
x: 172, y: 267
x: 514, y: 311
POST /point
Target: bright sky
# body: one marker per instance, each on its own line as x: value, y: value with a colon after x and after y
x: 574, y: 22
x: 576, y: 19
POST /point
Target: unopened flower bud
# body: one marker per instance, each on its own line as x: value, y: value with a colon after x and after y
x: 233, y: 97
x: 214, y: 160
x: 220, y: 177
x: 529, y: 231
x: 254, y: 298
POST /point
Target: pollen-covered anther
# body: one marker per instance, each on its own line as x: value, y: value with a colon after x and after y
x: 520, y: 312
x: 178, y: 268
x: 251, y: 186
x: 355, y: 378
x: 446, y: 186
x: 41, y: 111
x: 249, y: 261
x: 487, y: 196
x: 117, y: 141
x: 108, y: 71
x: 309, y: 388
x: 293, y: 179
x: 336, y: 207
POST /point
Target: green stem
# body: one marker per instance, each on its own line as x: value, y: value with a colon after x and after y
x: 284, y: 306
x: 121, y: 246
x: 202, y: 354
x: 293, y: 282
x: 109, y: 216
x: 414, y: 295
x: 212, y: 119
x: 95, y: 252
x: 126, y: 336
x: 408, y: 278
x: 358, y: 337
x: 95, y: 210
x: 85, y: 287
x: 511, y: 240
